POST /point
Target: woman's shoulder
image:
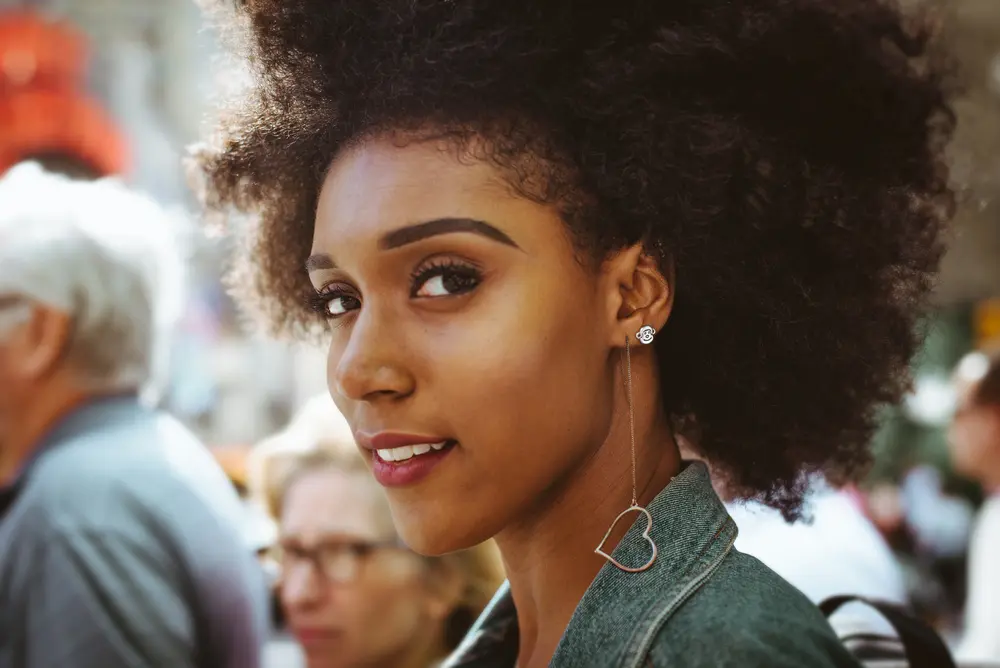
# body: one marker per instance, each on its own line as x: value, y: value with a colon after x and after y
x: 747, y: 615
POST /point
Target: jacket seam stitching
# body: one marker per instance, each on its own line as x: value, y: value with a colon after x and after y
x: 644, y: 646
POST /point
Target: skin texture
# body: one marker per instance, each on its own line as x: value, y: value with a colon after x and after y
x: 545, y: 333
x: 392, y: 615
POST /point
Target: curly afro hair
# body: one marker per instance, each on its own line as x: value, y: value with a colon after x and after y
x: 786, y: 158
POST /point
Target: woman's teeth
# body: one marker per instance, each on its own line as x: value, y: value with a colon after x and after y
x: 405, y: 452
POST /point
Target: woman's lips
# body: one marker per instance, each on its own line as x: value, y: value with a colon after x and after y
x: 412, y: 469
x: 388, y: 439
x: 315, y: 636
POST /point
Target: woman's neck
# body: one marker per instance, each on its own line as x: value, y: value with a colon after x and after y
x: 550, y: 558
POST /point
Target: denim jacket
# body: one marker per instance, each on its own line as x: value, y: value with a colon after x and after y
x: 702, y: 604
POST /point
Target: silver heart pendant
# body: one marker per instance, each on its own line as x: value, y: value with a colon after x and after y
x: 645, y: 534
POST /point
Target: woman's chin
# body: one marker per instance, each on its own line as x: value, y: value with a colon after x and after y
x: 431, y: 542
x: 433, y: 536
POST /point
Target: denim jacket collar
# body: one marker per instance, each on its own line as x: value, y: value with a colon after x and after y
x: 619, y: 615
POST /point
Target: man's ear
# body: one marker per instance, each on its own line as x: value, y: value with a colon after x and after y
x: 40, y: 342
x: 639, y: 292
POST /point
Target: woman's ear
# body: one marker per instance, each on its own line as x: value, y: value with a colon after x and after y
x: 639, y: 292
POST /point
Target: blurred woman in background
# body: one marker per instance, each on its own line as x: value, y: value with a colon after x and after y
x: 352, y: 594
x: 974, y: 438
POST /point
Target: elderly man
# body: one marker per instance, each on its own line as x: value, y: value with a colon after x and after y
x: 118, y: 537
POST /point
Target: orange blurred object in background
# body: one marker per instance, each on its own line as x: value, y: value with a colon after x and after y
x: 44, y: 108
x: 233, y: 460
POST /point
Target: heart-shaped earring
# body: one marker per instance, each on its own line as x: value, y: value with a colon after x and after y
x: 645, y: 534
x: 646, y: 331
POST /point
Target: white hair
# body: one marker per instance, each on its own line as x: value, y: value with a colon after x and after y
x: 105, y: 255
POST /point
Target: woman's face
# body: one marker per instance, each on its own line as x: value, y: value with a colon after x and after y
x: 382, y: 615
x: 484, y: 333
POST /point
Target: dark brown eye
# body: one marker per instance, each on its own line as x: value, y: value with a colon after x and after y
x: 445, y: 279
x: 334, y: 302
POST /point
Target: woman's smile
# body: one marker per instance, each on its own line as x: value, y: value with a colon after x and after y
x: 402, y: 459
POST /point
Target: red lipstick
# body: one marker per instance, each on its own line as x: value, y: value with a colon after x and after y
x: 315, y: 636
x: 406, y: 468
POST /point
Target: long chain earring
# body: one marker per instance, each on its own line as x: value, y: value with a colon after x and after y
x: 645, y: 336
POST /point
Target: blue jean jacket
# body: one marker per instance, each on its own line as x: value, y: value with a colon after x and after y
x: 702, y: 604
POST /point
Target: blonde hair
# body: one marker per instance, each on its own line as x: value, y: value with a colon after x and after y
x: 319, y: 437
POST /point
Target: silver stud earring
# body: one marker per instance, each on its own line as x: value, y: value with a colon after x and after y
x: 645, y: 334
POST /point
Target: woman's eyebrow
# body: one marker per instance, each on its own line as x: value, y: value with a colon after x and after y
x: 419, y: 231
x: 431, y: 228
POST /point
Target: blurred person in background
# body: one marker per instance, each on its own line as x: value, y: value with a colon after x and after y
x: 353, y: 594
x: 118, y: 530
x: 974, y: 438
x: 836, y: 551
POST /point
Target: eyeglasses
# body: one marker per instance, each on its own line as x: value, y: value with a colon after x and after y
x: 334, y: 561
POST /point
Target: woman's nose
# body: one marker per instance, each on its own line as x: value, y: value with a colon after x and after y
x: 300, y: 588
x: 370, y: 365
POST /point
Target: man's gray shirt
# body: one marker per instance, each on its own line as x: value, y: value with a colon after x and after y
x: 119, y: 547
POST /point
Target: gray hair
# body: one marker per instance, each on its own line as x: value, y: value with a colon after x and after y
x: 106, y: 256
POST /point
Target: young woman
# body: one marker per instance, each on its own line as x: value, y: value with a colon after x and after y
x: 353, y: 595
x: 542, y: 239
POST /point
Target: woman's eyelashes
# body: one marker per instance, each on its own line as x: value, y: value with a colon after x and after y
x: 333, y: 301
x: 430, y: 280
x: 444, y: 278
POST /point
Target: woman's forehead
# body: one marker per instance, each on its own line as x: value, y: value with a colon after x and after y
x: 381, y: 186
x: 336, y: 502
x: 369, y: 198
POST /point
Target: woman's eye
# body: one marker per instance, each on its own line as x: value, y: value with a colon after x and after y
x: 333, y: 303
x: 446, y: 281
x: 292, y: 551
x: 341, y: 304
